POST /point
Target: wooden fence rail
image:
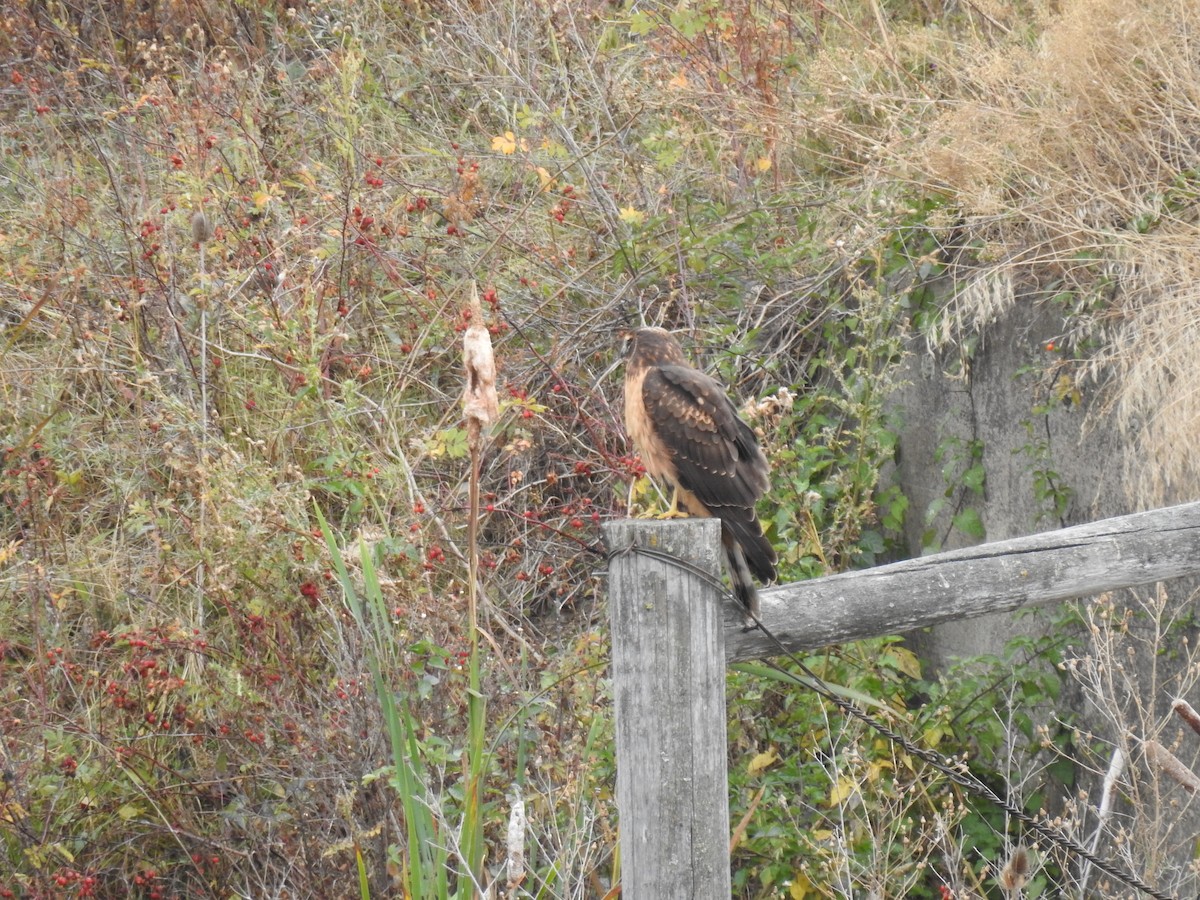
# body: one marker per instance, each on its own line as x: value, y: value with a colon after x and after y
x: 672, y: 637
x: 999, y: 577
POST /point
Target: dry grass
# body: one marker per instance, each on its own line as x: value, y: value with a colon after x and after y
x: 1134, y: 669
x: 1074, y: 163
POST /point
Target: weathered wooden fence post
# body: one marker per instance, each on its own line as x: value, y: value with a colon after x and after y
x: 668, y: 666
x: 672, y: 636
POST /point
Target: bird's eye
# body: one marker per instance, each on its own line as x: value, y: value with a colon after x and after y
x: 626, y: 342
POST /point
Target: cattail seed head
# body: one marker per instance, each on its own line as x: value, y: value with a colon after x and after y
x: 1016, y: 871
x: 1184, y: 710
x: 1164, y: 761
x: 480, y: 402
x: 515, y: 862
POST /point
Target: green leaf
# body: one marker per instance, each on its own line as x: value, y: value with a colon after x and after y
x: 689, y: 23
x: 761, y: 671
x: 641, y: 24
x: 973, y: 478
x: 449, y: 442
x: 969, y: 523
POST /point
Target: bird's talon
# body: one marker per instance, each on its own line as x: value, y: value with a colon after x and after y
x: 673, y: 511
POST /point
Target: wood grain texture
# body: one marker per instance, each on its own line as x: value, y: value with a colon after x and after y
x: 668, y: 671
x: 999, y: 577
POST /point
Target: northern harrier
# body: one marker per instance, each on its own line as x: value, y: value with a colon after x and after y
x: 689, y: 435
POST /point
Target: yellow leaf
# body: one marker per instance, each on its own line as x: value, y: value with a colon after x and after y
x: 822, y: 834
x: 505, y: 143
x: 876, y: 769
x: 12, y: 812
x: 763, y: 164
x: 64, y: 852
x: 546, y: 179
x: 933, y: 736
x: 129, y: 811
x: 679, y: 81
x: 905, y: 660
x: 762, y: 761
x: 306, y: 177
x: 261, y: 199
x: 640, y: 488
x: 7, y: 553
x: 632, y: 216
x: 799, y: 888
x: 842, y: 791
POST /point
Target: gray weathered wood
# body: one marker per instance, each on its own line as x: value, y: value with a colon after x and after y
x: 999, y: 577
x: 668, y: 670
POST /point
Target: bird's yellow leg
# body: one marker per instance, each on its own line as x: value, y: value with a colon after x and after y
x: 673, y: 511
x: 645, y: 485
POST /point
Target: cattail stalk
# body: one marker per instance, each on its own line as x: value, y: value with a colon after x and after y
x: 202, y: 232
x: 1108, y: 792
x: 480, y: 407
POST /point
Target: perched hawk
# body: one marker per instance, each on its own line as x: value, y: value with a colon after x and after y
x: 689, y: 435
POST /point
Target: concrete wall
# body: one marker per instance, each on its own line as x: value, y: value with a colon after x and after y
x: 1091, y: 457
x: 990, y: 403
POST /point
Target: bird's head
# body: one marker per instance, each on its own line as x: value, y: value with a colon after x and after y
x: 652, y: 345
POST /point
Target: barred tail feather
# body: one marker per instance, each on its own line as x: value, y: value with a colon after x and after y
x: 760, y: 556
x: 746, y: 531
x: 740, y: 578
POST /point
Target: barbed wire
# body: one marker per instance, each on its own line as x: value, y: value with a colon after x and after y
x: 955, y: 770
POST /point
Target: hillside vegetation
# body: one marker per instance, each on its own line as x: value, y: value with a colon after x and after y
x: 238, y: 244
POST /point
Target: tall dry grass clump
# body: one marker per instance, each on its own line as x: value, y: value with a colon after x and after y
x: 1074, y: 162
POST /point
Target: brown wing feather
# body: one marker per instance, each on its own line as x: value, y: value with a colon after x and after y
x: 715, y: 455
x: 689, y: 434
x: 719, y: 451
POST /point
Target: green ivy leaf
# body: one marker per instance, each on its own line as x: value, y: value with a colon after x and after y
x: 969, y: 523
